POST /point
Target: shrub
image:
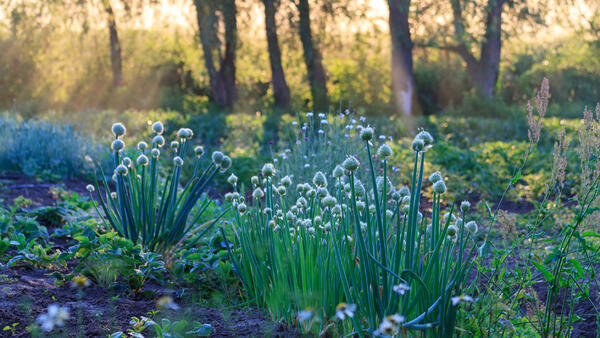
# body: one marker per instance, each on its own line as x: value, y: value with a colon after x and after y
x: 36, y: 147
x: 367, y: 249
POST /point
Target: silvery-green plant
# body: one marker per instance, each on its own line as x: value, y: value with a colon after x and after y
x: 365, y: 247
x: 157, y: 213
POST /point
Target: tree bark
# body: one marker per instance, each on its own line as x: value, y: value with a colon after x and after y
x: 483, y: 71
x: 313, y: 59
x: 281, y: 91
x: 402, y: 59
x: 221, y: 80
x: 115, y: 46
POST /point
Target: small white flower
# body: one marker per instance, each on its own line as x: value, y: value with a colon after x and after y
x: 321, y: 115
x: 305, y: 315
x: 343, y: 311
x: 309, y: 115
x: 55, y: 317
x: 90, y: 188
x: 166, y: 302
x: 461, y: 299
x: 401, y: 288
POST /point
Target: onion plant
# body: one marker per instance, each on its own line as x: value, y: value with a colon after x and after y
x: 363, y: 261
x: 157, y: 213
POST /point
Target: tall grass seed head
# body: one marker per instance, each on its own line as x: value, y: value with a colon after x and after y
x: 90, y: 188
x: 338, y: 172
x: 320, y: 180
x: 117, y: 145
x: 350, y: 164
x: 155, y: 153
x: 471, y: 227
x: 118, y: 129
x: 158, y: 127
x: 384, y: 151
x: 417, y: 144
x: 268, y: 170
x: 178, y: 161
x: 142, y: 160
x: 121, y: 170
x: 465, y: 206
x: 158, y: 140
x: 286, y: 181
x: 232, y: 179
x: 199, y: 151
x: 217, y: 157
x: 366, y: 134
x: 436, y: 176
x: 439, y: 187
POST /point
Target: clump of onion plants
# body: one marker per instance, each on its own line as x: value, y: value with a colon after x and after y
x: 362, y: 260
x: 154, y: 212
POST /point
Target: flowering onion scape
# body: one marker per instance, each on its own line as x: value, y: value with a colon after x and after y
x: 367, y: 247
x: 153, y: 212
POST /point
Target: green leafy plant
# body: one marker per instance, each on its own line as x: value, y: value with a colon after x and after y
x: 150, y: 211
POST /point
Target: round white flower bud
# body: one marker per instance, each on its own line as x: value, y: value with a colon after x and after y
x: 254, y: 180
x: 242, y: 208
x: 329, y: 201
x: 465, y: 206
x: 118, y: 129
x: 199, y: 151
x: 366, y: 134
x: 281, y: 190
x: 142, y: 146
x: 217, y: 157
x: 426, y: 137
x: 226, y: 164
x: 268, y: 170
x: 417, y: 144
x: 178, y: 161
x: 452, y: 230
x: 232, y: 179
x: 286, y: 181
x: 471, y: 227
x: 117, y: 145
x: 142, y: 160
x: 158, y: 127
x: 155, y: 153
x: 174, y: 145
x: 113, y: 195
x: 121, y: 170
x: 258, y: 193
x: 384, y: 151
x: 158, y: 140
x: 350, y: 163
x: 90, y: 188
x: 436, y: 176
x: 320, y: 180
x: 439, y: 187
x: 338, y: 171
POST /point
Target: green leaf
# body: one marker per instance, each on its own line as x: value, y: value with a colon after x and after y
x: 516, y: 178
x: 547, y: 274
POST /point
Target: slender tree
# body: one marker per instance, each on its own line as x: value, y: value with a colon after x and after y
x: 222, y: 78
x: 281, y: 91
x: 115, y: 45
x: 402, y: 58
x: 312, y: 58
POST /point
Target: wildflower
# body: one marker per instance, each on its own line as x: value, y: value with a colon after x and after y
x: 178, y: 161
x: 117, y: 145
x: 343, y: 311
x: 309, y: 114
x: 338, y: 171
x: 55, y: 317
x: 425, y: 136
x: 254, y: 180
x: 158, y: 127
x: 384, y: 151
x: 141, y: 146
x: 166, y: 302
x: 390, y: 325
x: 268, y: 170
x: 321, y: 115
x: 286, y: 181
x: 329, y: 201
x: 121, y: 170
x: 242, y: 208
x: 320, y: 180
x: 366, y: 134
x: 464, y: 206
x: 461, y: 299
x: 90, y: 188
x: 232, y: 179
x: 436, y: 176
x: 80, y: 282
x: 401, y: 288
x: 118, y: 129
x: 439, y: 187
x: 155, y: 153
x: 471, y: 227
x: 142, y: 160
x: 306, y: 314
x: 396, y: 319
x: 226, y: 163
x: 417, y: 144
x: 324, y: 122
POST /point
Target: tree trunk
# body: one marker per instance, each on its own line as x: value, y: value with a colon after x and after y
x: 115, y: 46
x: 222, y: 80
x: 489, y: 62
x: 313, y: 60
x: 281, y: 91
x: 402, y: 60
